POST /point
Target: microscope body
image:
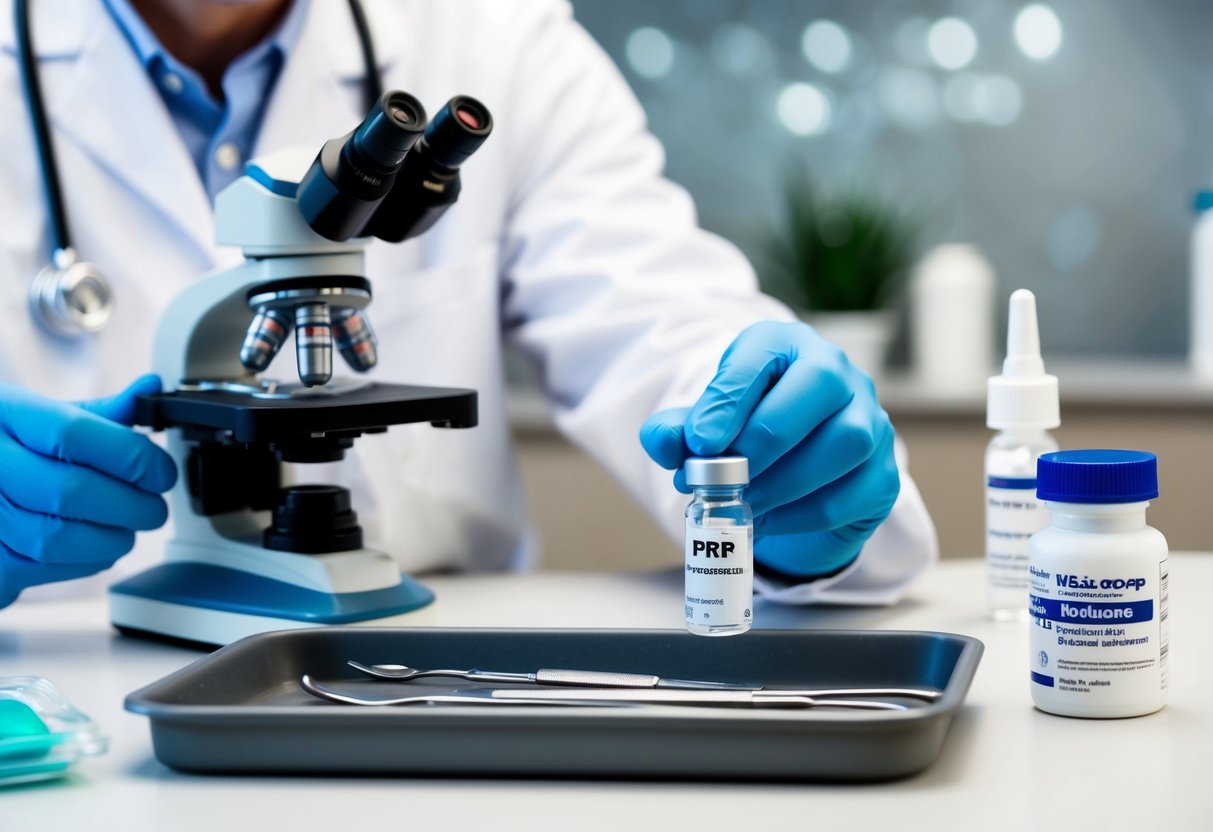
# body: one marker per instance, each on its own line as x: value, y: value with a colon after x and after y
x: 249, y: 554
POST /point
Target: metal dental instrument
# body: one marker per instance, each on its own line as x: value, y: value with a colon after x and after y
x: 604, y: 679
x: 482, y: 697
x: 549, y: 676
x: 607, y: 697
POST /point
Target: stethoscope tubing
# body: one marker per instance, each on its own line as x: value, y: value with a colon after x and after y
x: 62, y: 253
x: 32, y: 90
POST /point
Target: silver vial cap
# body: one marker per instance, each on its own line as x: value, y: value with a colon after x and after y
x: 717, y: 470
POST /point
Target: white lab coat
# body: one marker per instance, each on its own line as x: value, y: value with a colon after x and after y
x: 567, y: 243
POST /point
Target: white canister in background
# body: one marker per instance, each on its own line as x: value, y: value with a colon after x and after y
x: 1200, y: 301
x: 952, y: 320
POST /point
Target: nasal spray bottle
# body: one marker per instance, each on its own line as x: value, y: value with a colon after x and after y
x: 1022, y: 405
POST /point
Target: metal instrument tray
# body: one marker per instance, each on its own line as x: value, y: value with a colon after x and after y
x: 240, y: 710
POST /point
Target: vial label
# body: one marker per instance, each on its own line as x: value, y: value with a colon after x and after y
x: 1013, y: 515
x: 1101, y: 639
x: 719, y: 575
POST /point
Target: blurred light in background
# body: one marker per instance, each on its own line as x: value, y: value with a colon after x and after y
x: 741, y: 51
x: 804, y: 109
x: 1074, y: 238
x: 1064, y: 140
x: 998, y: 100
x: 993, y: 99
x: 960, y: 95
x: 1038, y: 32
x: 910, y: 40
x: 952, y: 43
x: 910, y: 97
x: 826, y: 46
x: 650, y: 52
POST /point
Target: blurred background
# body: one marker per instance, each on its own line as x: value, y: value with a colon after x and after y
x: 1063, y: 145
x: 1065, y: 141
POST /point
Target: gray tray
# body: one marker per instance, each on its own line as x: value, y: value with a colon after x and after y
x: 240, y: 710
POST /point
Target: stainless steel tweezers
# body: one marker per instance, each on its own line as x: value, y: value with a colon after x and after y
x: 622, y: 697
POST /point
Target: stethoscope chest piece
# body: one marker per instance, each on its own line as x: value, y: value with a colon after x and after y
x: 71, y: 297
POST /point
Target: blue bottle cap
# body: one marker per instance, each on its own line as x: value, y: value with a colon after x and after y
x: 1097, y: 476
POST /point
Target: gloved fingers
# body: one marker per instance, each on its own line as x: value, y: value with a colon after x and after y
x: 865, y: 494
x: 815, y: 554
x: 661, y: 436
x: 49, y: 487
x: 807, y: 394
x: 18, y: 572
x: 121, y: 408
x: 755, y: 360
x: 72, y: 434
x: 840, y: 445
x: 57, y: 540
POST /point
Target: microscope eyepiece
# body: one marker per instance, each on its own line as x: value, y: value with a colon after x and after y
x: 388, y: 132
x: 352, y: 174
x: 457, y: 131
x: 428, y: 183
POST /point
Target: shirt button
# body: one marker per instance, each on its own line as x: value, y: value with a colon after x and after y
x: 172, y: 83
x: 227, y: 156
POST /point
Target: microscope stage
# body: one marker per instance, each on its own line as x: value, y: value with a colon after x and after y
x: 252, y: 419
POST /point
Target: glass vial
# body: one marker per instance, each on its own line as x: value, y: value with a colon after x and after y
x: 1013, y: 515
x: 719, y: 547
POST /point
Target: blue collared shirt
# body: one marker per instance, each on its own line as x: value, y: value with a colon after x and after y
x: 218, y: 135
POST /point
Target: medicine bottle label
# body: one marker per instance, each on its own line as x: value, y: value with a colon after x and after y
x: 719, y: 575
x: 1013, y: 515
x: 1100, y: 638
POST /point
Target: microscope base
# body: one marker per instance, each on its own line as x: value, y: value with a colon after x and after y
x: 212, y: 605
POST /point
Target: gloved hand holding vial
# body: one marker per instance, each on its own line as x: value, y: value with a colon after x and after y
x: 819, y: 446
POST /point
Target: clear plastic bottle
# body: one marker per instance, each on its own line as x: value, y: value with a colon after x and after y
x: 1013, y: 515
x: 1099, y: 588
x: 1022, y: 406
x: 719, y: 547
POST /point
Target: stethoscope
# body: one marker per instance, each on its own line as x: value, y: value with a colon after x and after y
x: 71, y: 297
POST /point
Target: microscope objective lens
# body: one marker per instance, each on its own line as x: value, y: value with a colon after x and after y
x: 355, y: 339
x: 313, y: 343
x: 264, y: 338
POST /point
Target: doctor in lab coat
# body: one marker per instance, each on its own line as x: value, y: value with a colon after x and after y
x: 567, y: 243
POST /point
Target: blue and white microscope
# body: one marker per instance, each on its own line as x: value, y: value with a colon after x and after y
x: 250, y: 555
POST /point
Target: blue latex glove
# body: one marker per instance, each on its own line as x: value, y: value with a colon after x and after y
x: 820, y: 447
x: 75, y: 485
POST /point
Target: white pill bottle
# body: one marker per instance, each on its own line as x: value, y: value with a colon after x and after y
x: 1098, y: 587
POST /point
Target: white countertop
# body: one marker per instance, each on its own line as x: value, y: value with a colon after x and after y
x: 1004, y: 765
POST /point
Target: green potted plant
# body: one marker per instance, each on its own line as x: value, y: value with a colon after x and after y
x: 840, y: 262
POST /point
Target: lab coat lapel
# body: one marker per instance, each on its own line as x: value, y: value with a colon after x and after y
x: 109, y: 108
x: 319, y: 94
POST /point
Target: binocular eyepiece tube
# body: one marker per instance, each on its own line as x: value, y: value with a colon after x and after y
x: 428, y: 183
x: 352, y: 174
x: 395, y: 175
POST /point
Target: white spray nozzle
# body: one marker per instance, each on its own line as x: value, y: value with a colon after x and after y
x: 1023, y: 338
x: 1024, y: 396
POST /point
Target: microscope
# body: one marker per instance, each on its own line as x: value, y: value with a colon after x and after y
x: 252, y: 553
